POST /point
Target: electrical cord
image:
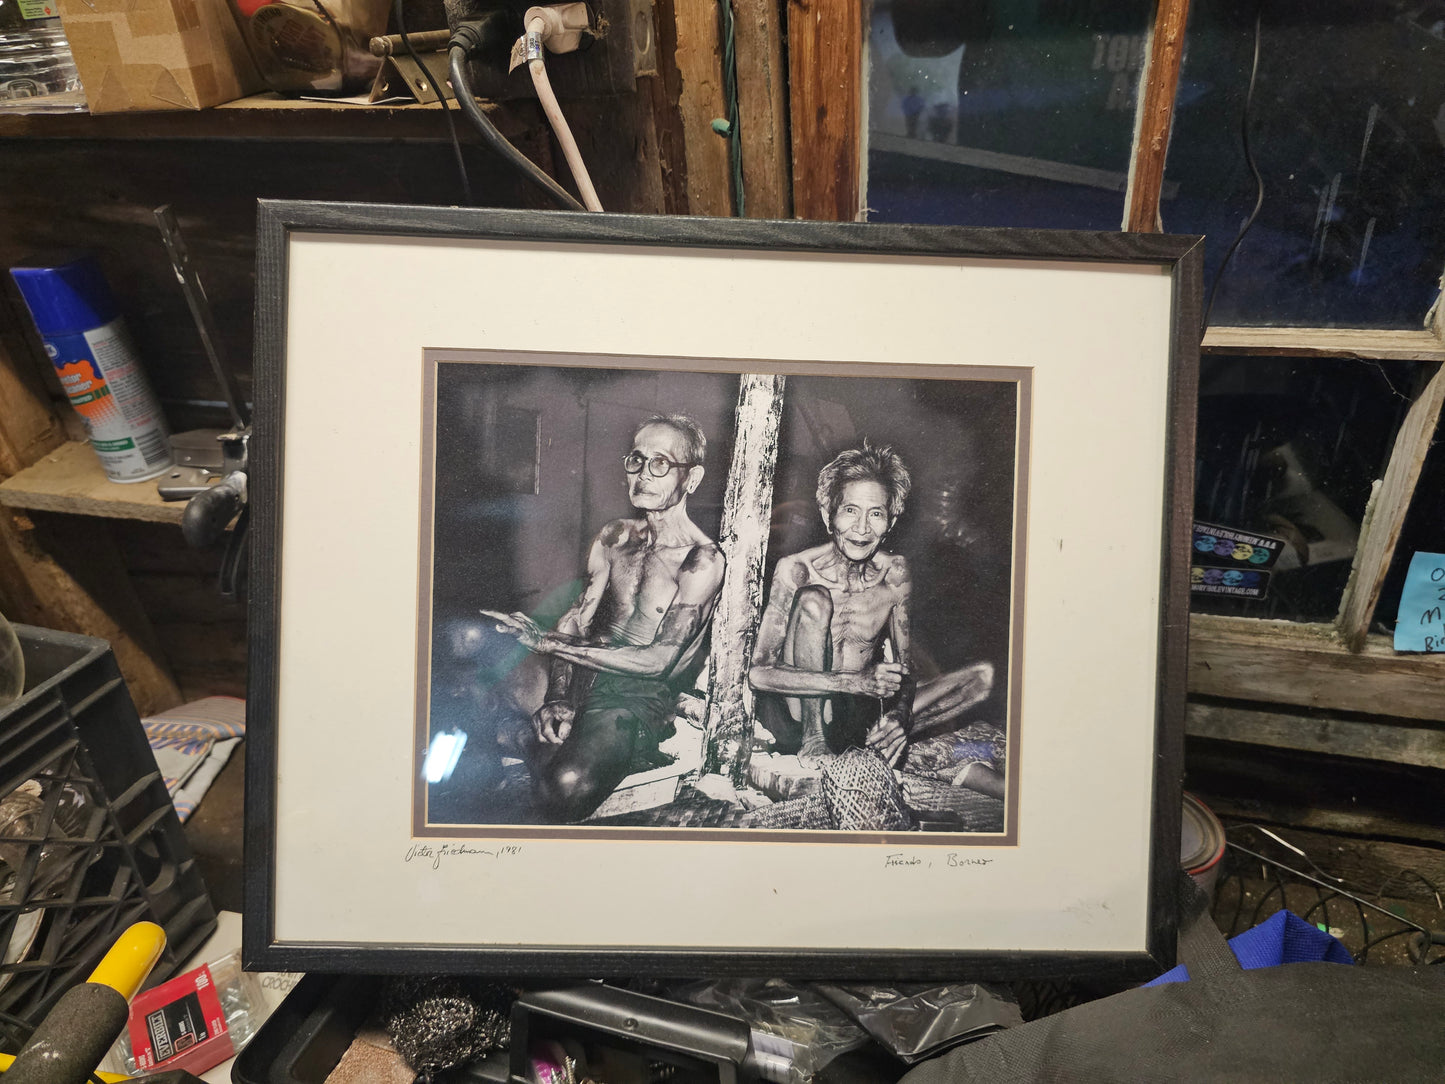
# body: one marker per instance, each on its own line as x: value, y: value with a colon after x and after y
x: 466, y: 38
x: 1253, y: 167
x: 441, y: 100
x: 550, y: 106
x: 730, y: 95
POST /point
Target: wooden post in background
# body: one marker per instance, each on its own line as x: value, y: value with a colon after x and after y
x: 747, y: 513
x: 825, y: 85
x: 697, y: 75
x: 1380, y: 533
x: 762, y: 80
x: 1156, y: 115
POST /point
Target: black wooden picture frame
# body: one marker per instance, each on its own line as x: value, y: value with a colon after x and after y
x: 357, y: 303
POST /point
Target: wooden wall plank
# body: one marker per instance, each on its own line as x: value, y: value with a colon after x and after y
x: 698, y: 57
x: 762, y: 80
x: 1278, y: 662
x: 1155, y: 116
x: 1380, y: 532
x: 1397, y: 742
x: 825, y: 80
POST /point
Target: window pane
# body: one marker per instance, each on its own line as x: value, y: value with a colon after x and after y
x: 1288, y: 449
x: 1014, y: 113
x: 1346, y: 126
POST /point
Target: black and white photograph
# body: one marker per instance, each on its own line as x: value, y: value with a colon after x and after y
x: 847, y: 568
x: 596, y: 653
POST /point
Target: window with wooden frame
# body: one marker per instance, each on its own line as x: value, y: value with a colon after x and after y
x: 1323, y: 346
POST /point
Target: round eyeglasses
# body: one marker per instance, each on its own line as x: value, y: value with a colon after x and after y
x: 657, y: 465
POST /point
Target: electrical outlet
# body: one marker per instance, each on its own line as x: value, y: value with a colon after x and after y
x: 622, y: 47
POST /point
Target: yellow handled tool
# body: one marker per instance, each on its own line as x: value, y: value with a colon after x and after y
x: 70, y: 1042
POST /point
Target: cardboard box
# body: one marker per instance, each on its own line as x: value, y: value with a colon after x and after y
x: 139, y: 55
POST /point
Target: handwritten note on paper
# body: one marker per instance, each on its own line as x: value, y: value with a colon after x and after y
x: 1420, y: 625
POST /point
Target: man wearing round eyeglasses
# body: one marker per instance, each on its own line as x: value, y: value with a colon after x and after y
x: 634, y: 637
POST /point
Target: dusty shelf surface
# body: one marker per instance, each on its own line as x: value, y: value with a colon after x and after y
x: 71, y: 479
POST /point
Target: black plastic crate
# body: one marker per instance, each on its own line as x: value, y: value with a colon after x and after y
x: 89, y: 839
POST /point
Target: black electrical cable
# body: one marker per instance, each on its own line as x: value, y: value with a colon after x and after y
x: 1253, y: 167
x: 441, y: 100
x: 457, y: 68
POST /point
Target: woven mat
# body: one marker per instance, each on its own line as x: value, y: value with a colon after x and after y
x: 934, y: 800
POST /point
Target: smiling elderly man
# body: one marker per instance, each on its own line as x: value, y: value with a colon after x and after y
x: 824, y: 681
x: 630, y: 642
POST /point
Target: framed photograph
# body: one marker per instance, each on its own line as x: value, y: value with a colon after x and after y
x: 674, y: 596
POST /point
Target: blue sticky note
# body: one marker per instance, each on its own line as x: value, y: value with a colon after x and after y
x: 1421, y: 623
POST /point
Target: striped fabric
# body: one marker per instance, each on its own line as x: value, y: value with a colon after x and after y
x: 192, y: 743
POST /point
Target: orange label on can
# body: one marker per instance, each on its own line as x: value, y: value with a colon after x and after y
x: 83, y: 385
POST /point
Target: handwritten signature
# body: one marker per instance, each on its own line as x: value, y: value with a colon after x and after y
x: 435, y: 853
x: 951, y: 859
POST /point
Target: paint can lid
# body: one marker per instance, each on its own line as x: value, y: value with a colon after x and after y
x: 1201, y: 843
x: 66, y: 294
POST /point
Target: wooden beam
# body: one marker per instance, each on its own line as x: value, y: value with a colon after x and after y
x: 762, y: 80
x: 825, y: 81
x: 1281, y: 662
x: 1303, y: 342
x: 698, y: 56
x: 747, y: 512
x: 1380, y: 532
x: 1155, y: 116
x: 1397, y: 742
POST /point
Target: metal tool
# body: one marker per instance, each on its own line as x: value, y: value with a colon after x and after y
x: 211, y: 464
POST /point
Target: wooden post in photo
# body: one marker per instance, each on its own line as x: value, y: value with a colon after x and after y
x: 747, y: 511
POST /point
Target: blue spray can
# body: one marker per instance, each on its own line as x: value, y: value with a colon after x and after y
x: 93, y: 355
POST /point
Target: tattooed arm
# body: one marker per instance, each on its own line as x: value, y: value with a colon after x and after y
x: 698, y: 581
x: 772, y: 671
x: 553, y: 720
x: 890, y: 734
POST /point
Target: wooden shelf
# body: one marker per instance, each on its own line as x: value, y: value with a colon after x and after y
x: 71, y: 479
x: 1313, y: 342
x: 266, y: 116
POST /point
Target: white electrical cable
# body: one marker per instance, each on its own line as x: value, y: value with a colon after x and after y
x: 548, y: 99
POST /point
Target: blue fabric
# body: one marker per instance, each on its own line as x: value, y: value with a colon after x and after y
x: 1283, y: 938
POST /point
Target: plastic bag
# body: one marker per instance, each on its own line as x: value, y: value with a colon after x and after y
x: 795, y: 1030
x: 917, y: 1021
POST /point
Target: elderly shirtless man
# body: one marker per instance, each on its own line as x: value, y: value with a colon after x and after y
x: 628, y: 645
x: 833, y: 611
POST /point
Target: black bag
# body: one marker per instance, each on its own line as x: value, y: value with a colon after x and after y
x: 1309, y: 1022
